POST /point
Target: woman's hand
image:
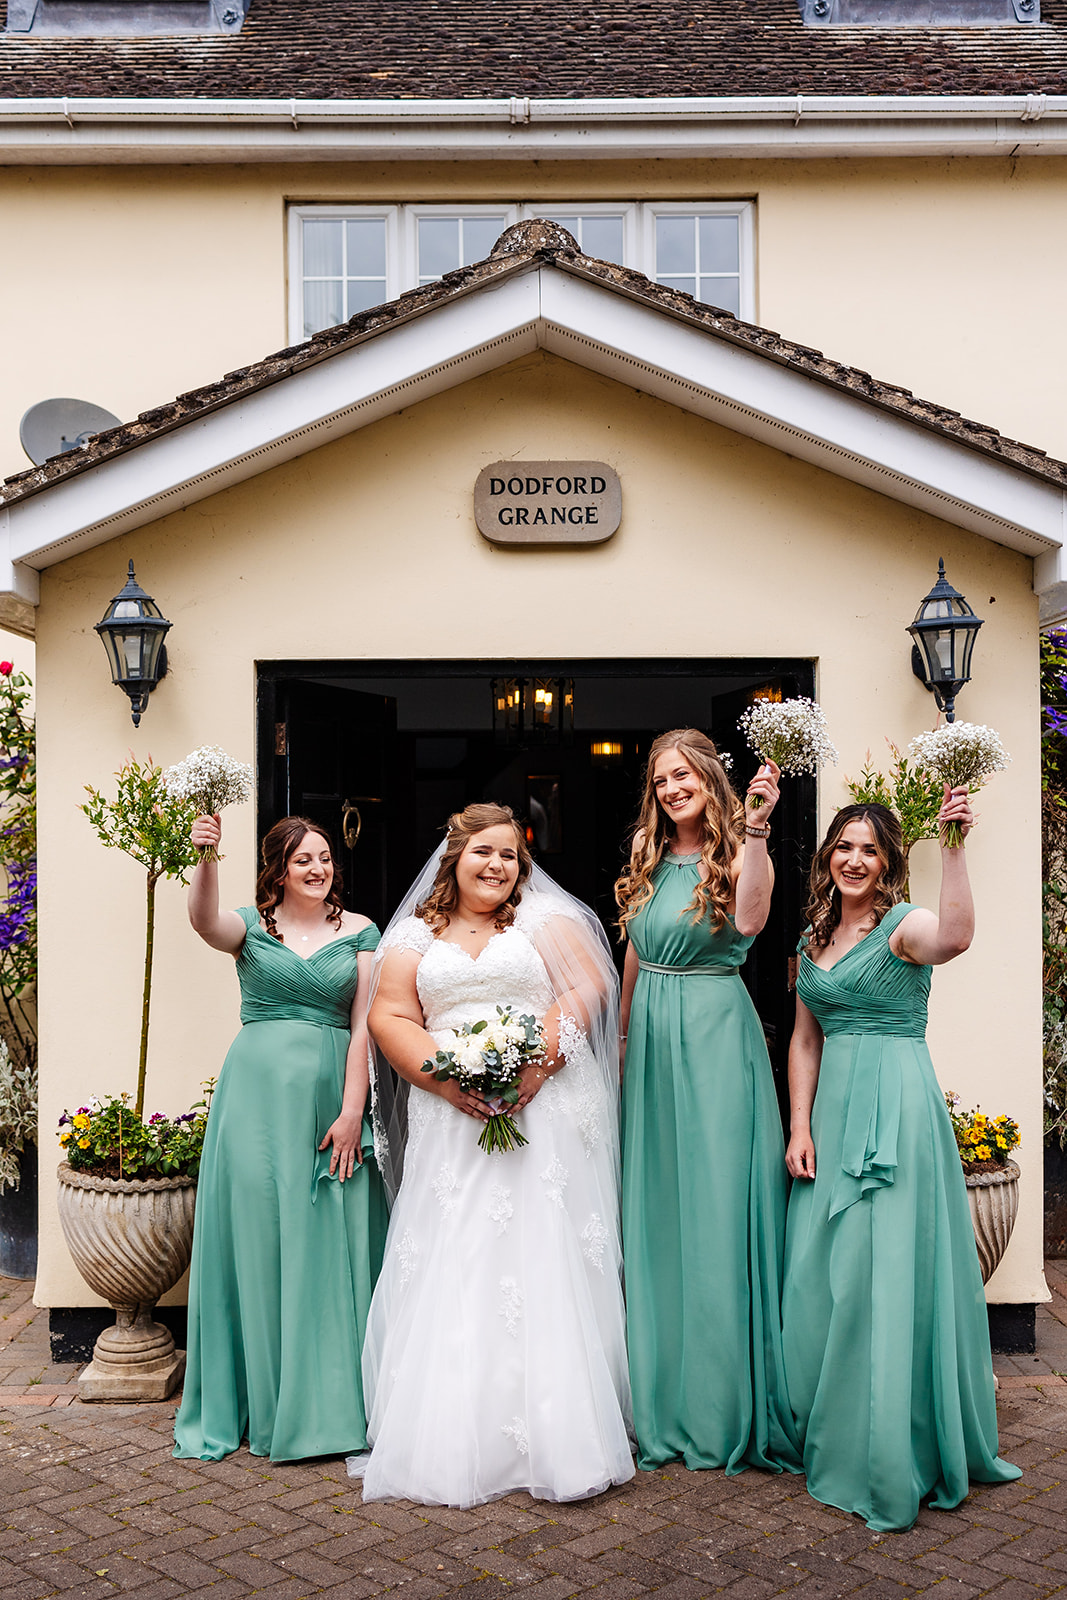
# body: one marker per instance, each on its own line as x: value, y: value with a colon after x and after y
x: 800, y: 1156
x: 763, y: 787
x: 206, y: 832
x: 472, y: 1105
x: 956, y: 807
x: 531, y: 1082
x: 344, y: 1135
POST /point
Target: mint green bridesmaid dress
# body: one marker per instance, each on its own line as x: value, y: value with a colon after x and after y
x: 284, y: 1256
x: 885, y: 1325
x: 704, y: 1193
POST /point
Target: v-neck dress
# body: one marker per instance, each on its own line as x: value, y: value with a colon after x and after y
x: 703, y: 1197
x: 284, y: 1257
x: 885, y: 1325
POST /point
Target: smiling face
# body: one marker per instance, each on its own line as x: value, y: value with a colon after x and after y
x: 487, y: 869
x: 309, y: 870
x: 855, y: 863
x: 678, y: 788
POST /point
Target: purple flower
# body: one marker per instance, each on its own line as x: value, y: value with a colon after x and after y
x: 157, y: 1116
x: 63, y: 1119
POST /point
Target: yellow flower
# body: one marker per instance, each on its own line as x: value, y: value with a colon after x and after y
x: 974, y: 1136
x: 1001, y: 1141
x: 984, y: 1153
x: 80, y: 1121
x: 83, y: 1144
x: 64, y: 1138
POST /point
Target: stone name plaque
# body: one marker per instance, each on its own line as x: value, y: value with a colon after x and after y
x: 548, y: 502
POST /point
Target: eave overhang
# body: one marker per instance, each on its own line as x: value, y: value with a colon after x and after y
x: 84, y: 131
x: 557, y: 308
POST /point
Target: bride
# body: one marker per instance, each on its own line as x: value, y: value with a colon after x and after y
x: 495, y: 1357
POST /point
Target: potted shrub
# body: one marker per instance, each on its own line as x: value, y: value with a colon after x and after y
x: 985, y: 1144
x: 18, y: 977
x: 127, y: 1187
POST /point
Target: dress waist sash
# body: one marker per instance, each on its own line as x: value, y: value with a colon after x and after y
x: 689, y: 972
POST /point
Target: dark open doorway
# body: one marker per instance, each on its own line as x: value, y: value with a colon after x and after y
x: 381, y: 752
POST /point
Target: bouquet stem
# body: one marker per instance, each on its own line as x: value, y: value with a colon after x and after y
x: 208, y: 852
x: 501, y: 1133
x: 954, y: 836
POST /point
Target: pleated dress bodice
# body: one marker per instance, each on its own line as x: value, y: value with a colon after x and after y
x: 277, y: 985
x: 663, y: 931
x: 869, y: 990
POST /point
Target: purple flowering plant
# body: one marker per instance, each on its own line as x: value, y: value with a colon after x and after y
x: 1054, y: 878
x: 18, y: 919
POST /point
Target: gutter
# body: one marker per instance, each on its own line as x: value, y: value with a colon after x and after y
x: 77, y: 131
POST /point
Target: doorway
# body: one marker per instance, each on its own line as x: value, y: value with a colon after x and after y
x: 381, y: 752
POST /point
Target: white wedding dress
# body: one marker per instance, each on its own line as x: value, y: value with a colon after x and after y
x: 495, y: 1357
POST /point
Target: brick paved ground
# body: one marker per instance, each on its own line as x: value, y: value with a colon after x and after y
x: 92, y: 1505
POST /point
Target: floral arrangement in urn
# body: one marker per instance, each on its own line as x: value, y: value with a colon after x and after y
x: 110, y: 1139
x: 984, y: 1143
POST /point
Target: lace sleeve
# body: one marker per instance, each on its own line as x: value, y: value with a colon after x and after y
x: 535, y: 910
x: 410, y: 934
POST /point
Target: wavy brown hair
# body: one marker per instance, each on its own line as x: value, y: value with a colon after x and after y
x: 823, y: 911
x: 279, y: 845
x: 724, y: 822
x: 443, y: 898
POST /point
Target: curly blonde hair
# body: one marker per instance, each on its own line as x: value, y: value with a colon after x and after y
x: 724, y: 822
x: 823, y: 911
x: 436, y: 910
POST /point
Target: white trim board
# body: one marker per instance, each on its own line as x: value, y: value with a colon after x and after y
x: 587, y: 322
x: 80, y: 130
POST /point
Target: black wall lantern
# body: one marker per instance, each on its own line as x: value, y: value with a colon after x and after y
x: 133, y: 630
x: 944, y: 632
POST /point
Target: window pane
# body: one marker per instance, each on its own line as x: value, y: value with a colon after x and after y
x: 480, y: 234
x: 722, y: 292
x: 438, y: 246
x: 684, y: 285
x: 675, y: 245
x: 322, y: 249
x: 366, y: 247
x: 718, y: 244
x: 601, y: 237
x: 364, y: 293
x: 322, y: 306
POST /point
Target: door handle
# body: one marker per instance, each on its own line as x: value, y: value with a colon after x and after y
x: 350, y: 830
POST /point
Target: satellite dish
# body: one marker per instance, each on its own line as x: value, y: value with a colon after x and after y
x: 52, y: 427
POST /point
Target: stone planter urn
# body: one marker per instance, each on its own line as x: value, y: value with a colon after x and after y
x: 131, y: 1241
x: 994, y: 1202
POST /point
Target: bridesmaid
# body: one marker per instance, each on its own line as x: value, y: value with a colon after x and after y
x: 290, y: 1210
x: 885, y: 1327
x: 704, y: 1187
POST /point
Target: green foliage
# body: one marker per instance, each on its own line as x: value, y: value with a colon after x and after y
x: 913, y: 796
x: 153, y: 829
x: 111, y: 1139
x: 18, y: 1114
x: 144, y: 822
x: 1054, y: 875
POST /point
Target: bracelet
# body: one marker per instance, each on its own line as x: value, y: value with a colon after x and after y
x: 757, y: 833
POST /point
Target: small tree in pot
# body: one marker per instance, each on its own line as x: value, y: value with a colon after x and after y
x: 129, y: 1230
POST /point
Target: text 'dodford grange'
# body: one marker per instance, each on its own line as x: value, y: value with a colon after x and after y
x: 548, y: 502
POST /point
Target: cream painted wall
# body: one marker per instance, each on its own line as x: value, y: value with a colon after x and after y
x: 131, y: 285
x: 368, y: 548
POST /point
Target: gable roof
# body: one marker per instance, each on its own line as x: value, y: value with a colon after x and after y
x: 537, y: 291
x: 444, y: 49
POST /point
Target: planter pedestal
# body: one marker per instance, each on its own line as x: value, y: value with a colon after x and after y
x: 994, y: 1202
x: 131, y: 1241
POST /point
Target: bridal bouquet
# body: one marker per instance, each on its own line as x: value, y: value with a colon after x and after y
x: 791, y: 733
x: 486, y: 1057
x: 961, y: 754
x: 209, y: 779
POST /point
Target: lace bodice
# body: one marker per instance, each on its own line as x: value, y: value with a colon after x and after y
x: 455, y: 987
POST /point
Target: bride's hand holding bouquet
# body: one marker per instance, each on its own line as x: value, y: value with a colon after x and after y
x: 487, y: 1059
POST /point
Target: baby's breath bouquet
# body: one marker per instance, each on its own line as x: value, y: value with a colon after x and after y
x: 486, y: 1057
x: 963, y: 755
x: 791, y: 733
x: 209, y: 779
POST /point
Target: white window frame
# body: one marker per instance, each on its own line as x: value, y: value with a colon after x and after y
x: 401, y: 266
